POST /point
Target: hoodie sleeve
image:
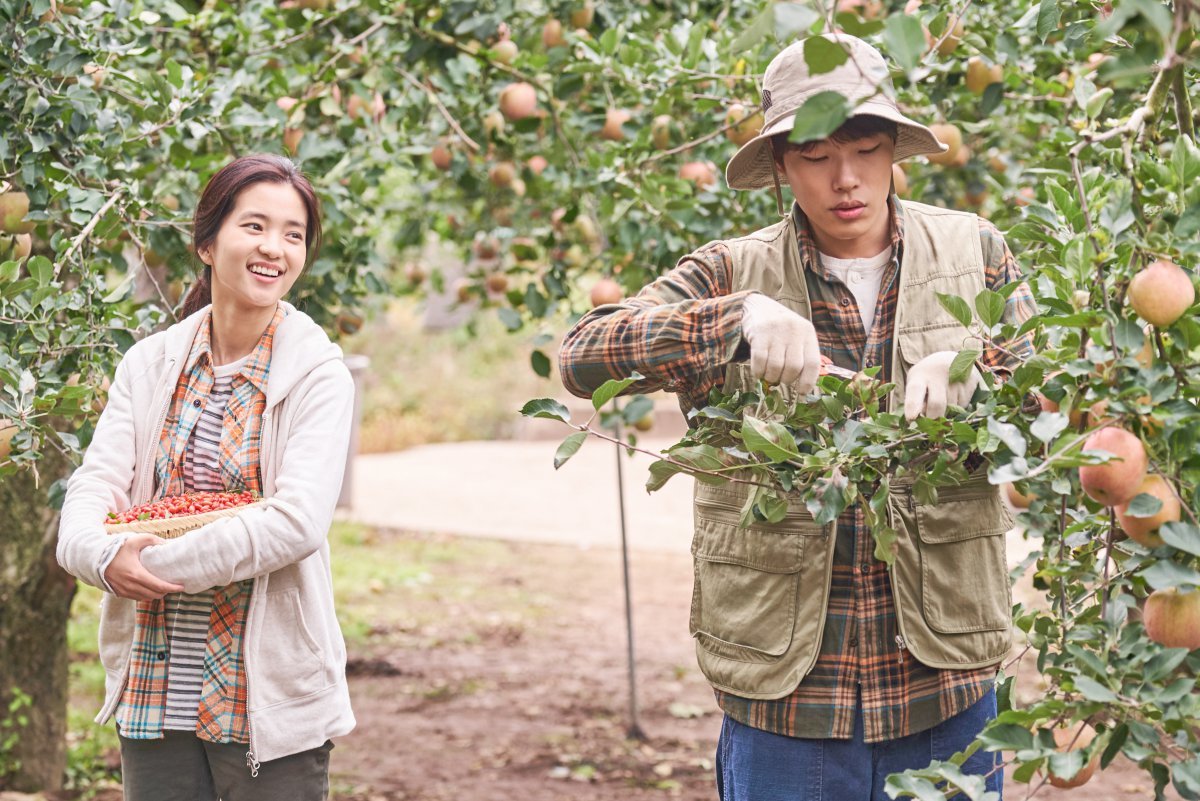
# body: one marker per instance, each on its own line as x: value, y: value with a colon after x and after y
x: 101, y: 484
x: 294, y: 521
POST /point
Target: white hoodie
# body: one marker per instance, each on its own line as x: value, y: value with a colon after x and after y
x: 294, y: 652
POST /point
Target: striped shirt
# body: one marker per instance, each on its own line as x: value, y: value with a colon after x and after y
x: 188, y: 614
x: 681, y: 332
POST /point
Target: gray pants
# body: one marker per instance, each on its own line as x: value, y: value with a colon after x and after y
x: 182, y: 767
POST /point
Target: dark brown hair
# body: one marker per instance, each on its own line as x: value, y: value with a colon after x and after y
x: 853, y: 129
x: 221, y: 194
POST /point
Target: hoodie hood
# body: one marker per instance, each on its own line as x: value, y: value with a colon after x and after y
x: 300, y: 347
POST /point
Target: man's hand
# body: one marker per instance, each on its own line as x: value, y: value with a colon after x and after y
x: 783, y: 345
x: 929, y: 389
x: 129, y: 579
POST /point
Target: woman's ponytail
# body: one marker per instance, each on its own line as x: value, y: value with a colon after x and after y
x: 200, y: 295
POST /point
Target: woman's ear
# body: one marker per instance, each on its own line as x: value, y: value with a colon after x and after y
x: 205, y: 254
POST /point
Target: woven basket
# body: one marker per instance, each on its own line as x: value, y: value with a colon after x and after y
x: 171, y: 527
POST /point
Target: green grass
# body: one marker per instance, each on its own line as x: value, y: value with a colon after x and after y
x: 442, y: 386
x: 392, y: 589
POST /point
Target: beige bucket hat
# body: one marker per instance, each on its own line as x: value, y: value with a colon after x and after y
x: 863, y: 79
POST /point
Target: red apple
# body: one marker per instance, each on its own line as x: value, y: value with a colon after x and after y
x: 1172, y: 618
x: 1117, y: 480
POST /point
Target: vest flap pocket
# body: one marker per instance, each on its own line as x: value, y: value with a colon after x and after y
x: 962, y: 513
x: 746, y: 586
x: 964, y: 571
x: 768, y: 551
x: 917, y: 343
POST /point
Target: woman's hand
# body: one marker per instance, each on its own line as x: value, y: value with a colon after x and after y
x: 128, y: 578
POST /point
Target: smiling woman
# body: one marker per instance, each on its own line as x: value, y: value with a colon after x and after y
x: 224, y: 660
x: 257, y: 222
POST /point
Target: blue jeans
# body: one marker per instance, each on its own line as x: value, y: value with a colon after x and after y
x: 754, y: 765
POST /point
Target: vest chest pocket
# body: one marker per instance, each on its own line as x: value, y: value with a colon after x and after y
x: 964, y: 571
x: 747, y: 582
x: 917, y: 343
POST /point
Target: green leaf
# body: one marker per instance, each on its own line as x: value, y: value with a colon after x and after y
x: 772, y: 507
x: 1065, y: 764
x: 1117, y: 214
x: 758, y: 30
x: 1164, y: 574
x: 1006, y: 737
x: 904, y: 39
x: 828, y: 501
x: 1119, y: 736
x: 1143, y: 505
x: 770, y: 439
x: 1049, y: 425
x: 1184, y: 536
x: 1097, y: 102
x: 992, y: 95
x: 1009, y: 434
x: 636, y: 408
x: 700, y: 457
x: 510, y: 317
x: 569, y: 447
x: 1048, y: 17
x: 960, y: 368
x: 540, y: 363
x: 821, y: 115
x: 1162, y: 664
x: 903, y: 785
x: 823, y: 55
x: 1094, y: 690
x: 957, y: 307
x: 990, y: 306
x: 611, y: 389
x: 546, y: 408
x: 660, y: 474
x: 41, y: 269
x: 791, y: 19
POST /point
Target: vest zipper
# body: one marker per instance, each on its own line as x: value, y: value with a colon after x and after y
x: 901, y: 646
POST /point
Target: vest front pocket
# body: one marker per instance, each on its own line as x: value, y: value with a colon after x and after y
x: 964, y: 571
x: 747, y: 582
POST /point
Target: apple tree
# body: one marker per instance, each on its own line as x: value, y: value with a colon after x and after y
x: 573, y: 148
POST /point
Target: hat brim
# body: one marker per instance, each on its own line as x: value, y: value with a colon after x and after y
x: 751, y: 167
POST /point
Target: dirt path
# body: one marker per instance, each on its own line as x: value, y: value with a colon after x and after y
x: 502, y: 676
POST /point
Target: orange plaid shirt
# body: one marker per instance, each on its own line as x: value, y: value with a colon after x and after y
x: 222, y: 713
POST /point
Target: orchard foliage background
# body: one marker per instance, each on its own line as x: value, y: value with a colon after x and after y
x: 1078, y: 134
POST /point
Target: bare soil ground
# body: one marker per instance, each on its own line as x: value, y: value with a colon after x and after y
x: 484, y: 670
x: 509, y: 682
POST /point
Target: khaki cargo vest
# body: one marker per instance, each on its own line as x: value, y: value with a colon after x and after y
x: 760, y: 595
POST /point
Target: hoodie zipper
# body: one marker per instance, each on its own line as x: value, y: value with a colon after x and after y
x: 252, y: 763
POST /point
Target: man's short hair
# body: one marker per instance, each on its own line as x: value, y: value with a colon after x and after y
x: 853, y: 129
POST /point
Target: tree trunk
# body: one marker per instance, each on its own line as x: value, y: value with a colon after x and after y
x: 35, y: 602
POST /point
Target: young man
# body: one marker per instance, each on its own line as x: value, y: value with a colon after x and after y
x: 832, y: 670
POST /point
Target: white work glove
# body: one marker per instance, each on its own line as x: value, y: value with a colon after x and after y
x: 929, y: 389
x: 783, y: 345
